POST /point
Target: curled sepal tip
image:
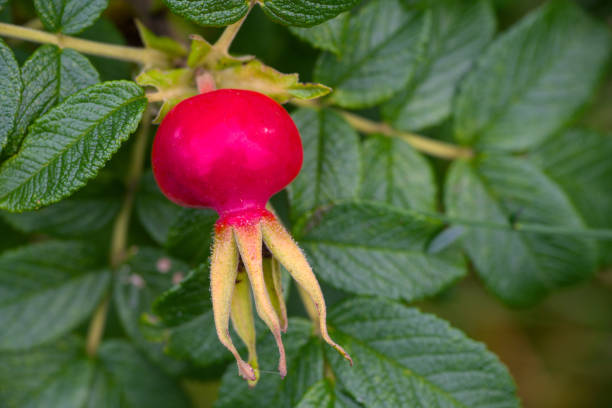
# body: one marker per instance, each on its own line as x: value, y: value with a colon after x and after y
x: 284, y: 248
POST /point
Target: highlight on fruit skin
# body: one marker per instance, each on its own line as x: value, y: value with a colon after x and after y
x: 231, y: 150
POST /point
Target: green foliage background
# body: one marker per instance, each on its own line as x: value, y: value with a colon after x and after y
x: 479, y: 281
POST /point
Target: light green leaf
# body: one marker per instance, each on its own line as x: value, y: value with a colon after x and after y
x: 49, y: 76
x: 331, y: 167
x: 155, y: 212
x: 164, y: 44
x: 518, y: 267
x: 305, y: 13
x: 405, y: 358
x: 10, y: 92
x: 209, y: 12
x: 326, y: 36
x: 139, y: 282
x: 304, y: 368
x: 394, y: 173
x: 190, y: 235
x: 382, y: 46
x: 46, y: 290
x: 532, y: 79
x: 69, y: 16
x: 579, y: 161
x: 61, y: 375
x: 460, y: 31
x: 378, y: 250
x: 87, y: 212
x: 175, y: 85
x: 68, y: 145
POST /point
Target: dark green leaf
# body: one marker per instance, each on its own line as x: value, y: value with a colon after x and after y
x: 377, y: 250
x: 405, y: 358
x: 10, y: 92
x: 331, y: 166
x: 460, y: 31
x: 190, y: 235
x: 46, y: 290
x: 394, y: 173
x: 68, y: 145
x: 139, y: 282
x: 209, y: 12
x: 49, y: 76
x: 320, y: 395
x: 156, y: 213
x: 518, y: 267
x: 87, y: 212
x: 186, y: 310
x: 2, y: 3
x: 381, y: 48
x: 60, y: 375
x: 69, y: 16
x: 532, y: 79
x: 304, y: 368
x: 579, y: 160
x: 326, y: 36
x: 305, y: 13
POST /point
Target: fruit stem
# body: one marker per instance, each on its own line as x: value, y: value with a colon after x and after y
x: 139, y: 55
x: 421, y: 143
x: 227, y: 37
x: 118, y: 244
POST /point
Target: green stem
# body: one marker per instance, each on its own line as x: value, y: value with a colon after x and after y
x: 120, y: 231
x: 227, y: 37
x: 120, y: 52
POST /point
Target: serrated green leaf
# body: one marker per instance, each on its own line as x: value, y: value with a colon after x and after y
x: 394, y: 173
x: 209, y: 12
x: 61, y: 375
x: 190, y: 236
x: 382, y: 46
x: 155, y: 212
x: 68, y: 145
x: 87, y: 212
x: 10, y: 92
x: 139, y: 282
x: 186, y: 312
x: 46, y: 290
x: 532, y: 79
x: 305, y: 13
x: 460, y: 32
x: 579, y: 161
x: 405, y: 358
x: 320, y: 395
x: 518, y: 267
x: 304, y: 368
x: 69, y: 16
x: 330, y: 172
x: 326, y: 36
x: 377, y: 250
x: 164, y: 44
x: 49, y: 76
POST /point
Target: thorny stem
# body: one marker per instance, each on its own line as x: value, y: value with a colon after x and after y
x: 120, y: 231
x: 133, y: 54
x: 227, y: 37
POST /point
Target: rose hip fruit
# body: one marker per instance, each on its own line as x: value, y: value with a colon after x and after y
x: 231, y: 150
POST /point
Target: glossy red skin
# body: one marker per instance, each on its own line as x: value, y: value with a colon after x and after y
x: 229, y: 150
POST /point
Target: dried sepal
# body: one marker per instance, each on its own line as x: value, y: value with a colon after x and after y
x: 242, y: 319
x: 249, y: 240
x: 223, y: 272
x: 284, y: 248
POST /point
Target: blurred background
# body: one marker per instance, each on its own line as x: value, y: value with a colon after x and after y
x: 559, y: 352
